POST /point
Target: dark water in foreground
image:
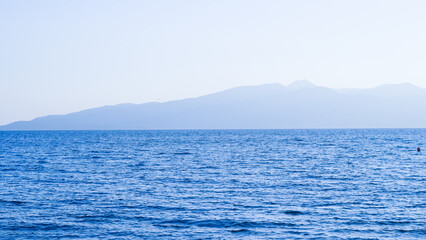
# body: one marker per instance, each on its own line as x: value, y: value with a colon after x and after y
x: 243, y: 184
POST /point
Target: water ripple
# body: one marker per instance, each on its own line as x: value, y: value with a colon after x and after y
x: 224, y: 184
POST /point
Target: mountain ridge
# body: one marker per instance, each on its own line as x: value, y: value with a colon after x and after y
x: 298, y: 105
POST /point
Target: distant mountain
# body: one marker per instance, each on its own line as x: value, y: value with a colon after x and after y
x: 299, y: 105
x: 302, y: 84
x: 389, y: 90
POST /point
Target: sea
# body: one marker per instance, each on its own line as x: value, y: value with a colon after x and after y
x: 213, y: 184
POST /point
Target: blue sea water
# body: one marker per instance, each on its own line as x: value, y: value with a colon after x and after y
x: 213, y: 184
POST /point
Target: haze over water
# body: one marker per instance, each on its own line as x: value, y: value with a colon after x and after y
x: 222, y: 184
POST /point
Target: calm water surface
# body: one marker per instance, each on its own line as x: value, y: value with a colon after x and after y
x: 242, y: 184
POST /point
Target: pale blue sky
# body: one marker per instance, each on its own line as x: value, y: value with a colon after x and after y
x: 63, y: 56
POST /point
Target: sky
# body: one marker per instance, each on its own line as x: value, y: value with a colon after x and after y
x: 58, y: 57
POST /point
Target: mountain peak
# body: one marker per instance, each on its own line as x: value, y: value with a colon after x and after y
x: 301, y: 84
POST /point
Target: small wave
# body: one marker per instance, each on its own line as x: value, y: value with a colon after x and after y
x: 299, y: 139
x: 225, y: 223
x: 182, y: 153
x: 421, y: 232
x: 43, y: 227
x: 165, y: 208
x: 6, y: 169
x: 144, y: 218
x: 294, y: 212
x: 393, y: 222
x: 13, y: 202
x: 240, y: 231
x: 247, y: 206
x: 357, y: 222
x: 329, y: 204
x: 95, y: 218
x: 138, y: 164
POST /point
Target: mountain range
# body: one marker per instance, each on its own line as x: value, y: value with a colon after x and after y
x: 271, y: 106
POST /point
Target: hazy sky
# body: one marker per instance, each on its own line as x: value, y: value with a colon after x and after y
x: 62, y: 56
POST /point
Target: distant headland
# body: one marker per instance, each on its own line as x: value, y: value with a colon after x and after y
x: 271, y: 106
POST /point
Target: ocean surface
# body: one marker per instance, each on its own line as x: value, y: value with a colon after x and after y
x: 208, y: 184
